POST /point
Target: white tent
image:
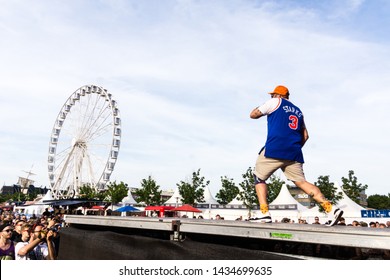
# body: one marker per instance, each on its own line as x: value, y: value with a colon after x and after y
x: 285, y: 206
x: 208, y: 198
x: 206, y: 206
x: 351, y: 208
x: 285, y: 199
x: 46, y: 197
x: 236, y: 200
x: 175, y: 199
x: 128, y: 200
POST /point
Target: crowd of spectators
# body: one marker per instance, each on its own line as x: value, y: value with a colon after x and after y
x: 29, y: 238
x: 341, y: 252
x: 355, y: 223
x: 37, y: 237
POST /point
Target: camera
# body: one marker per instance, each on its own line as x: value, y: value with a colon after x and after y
x: 53, y: 229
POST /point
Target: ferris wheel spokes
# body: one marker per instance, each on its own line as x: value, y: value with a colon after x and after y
x: 90, y: 122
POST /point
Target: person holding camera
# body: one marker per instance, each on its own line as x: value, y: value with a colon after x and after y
x: 36, y: 244
x: 55, y: 226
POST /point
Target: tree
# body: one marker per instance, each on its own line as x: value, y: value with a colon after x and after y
x: 193, y: 192
x: 87, y: 192
x: 116, y: 192
x: 149, y: 192
x: 3, y: 198
x: 18, y: 196
x: 228, y: 191
x: 274, y: 186
x: 101, y: 195
x: 351, y: 187
x: 248, y: 193
x: 328, y: 190
x: 32, y: 195
x: 380, y: 202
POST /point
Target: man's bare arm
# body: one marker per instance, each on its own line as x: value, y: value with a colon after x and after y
x: 305, y: 136
x: 255, y: 114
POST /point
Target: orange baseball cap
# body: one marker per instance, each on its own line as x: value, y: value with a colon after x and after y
x: 282, y: 90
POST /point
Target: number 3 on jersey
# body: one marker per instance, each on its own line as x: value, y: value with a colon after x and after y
x: 293, y: 122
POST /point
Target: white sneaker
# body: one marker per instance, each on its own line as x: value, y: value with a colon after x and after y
x: 262, y: 218
x: 337, y: 214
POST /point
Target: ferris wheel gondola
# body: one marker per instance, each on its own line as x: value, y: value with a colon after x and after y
x: 84, y: 142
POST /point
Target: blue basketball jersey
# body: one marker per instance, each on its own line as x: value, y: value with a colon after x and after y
x: 284, y: 138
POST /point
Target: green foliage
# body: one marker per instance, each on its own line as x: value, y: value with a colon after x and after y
x: 101, y: 195
x: 228, y: 191
x: 8, y: 197
x: 32, y: 195
x: 149, y: 192
x: 328, y: 190
x: 193, y: 192
x: 19, y: 196
x: 116, y: 192
x: 351, y: 187
x: 379, y: 202
x: 86, y: 191
x: 248, y: 193
x: 274, y: 186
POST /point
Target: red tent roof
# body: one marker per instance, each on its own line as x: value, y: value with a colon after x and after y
x: 187, y: 208
x: 97, y: 207
x: 158, y: 208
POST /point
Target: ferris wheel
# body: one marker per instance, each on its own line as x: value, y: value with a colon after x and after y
x: 84, y: 142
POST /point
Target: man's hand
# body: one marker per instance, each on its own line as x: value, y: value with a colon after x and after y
x: 49, y: 235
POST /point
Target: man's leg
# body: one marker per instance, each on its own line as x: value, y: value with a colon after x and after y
x: 314, y: 192
x: 294, y: 172
x: 264, y: 168
x: 317, y: 195
x: 262, y: 192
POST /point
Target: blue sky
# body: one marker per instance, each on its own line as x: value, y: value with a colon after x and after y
x: 186, y: 75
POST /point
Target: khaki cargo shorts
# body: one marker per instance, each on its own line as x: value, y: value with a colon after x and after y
x: 265, y: 167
